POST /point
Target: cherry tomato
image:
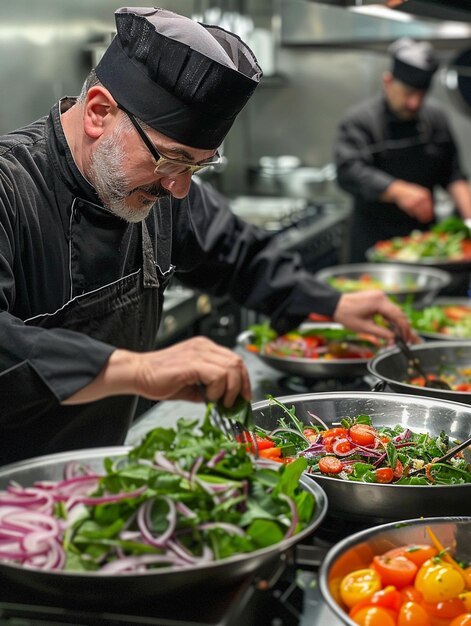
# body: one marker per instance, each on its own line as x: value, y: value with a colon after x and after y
x: 328, y: 443
x: 330, y: 465
x: 417, y: 553
x: 397, y: 571
x: 341, y: 447
x: 359, y: 585
x: 398, y: 470
x: 465, y: 597
x: 362, y: 434
x: 462, y: 620
x: 313, y: 341
x: 410, y: 594
x: 457, y: 313
x: 387, y: 598
x: 412, y: 614
x: 438, y: 581
x: 263, y: 442
x: 270, y: 453
x: 335, y: 432
x: 384, y: 475
x: 446, y: 609
x: 375, y: 616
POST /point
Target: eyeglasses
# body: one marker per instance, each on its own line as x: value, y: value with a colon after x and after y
x: 169, y: 167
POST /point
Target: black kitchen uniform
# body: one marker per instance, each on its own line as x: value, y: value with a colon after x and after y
x: 374, y: 147
x: 77, y: 282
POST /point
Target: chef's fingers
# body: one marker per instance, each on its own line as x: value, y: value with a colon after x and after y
x: 176, y: 371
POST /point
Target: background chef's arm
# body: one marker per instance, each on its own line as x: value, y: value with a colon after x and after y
x: 356, y: 171
x: 460, y: 191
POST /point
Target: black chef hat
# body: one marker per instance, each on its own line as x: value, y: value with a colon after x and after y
x: 185, y: 79
x: 414, y: 63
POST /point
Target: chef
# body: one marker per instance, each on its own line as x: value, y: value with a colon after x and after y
x: 391, y: 151
x: 98, y: 210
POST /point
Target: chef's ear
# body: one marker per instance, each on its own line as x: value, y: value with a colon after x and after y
x: 387, y: 79
x: 100, y: 111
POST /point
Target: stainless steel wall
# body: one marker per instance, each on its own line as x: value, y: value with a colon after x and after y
x: 46, y: 52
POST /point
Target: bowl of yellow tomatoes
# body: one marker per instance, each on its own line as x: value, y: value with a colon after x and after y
x: 413, y: 573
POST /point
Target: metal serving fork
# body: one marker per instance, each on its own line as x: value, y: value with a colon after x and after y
x: 235, y: 423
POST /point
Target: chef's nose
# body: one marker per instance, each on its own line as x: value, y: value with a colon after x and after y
x: 414, y: 101
x: 178, y: 186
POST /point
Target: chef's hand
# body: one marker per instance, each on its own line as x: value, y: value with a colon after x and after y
x: 357, y: 310
x: 415, y: 200
x: 174, y: 373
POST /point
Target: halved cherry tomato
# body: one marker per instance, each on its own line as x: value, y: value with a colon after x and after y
x: 328, y: 443
x: 397, y: 571
x: 398, y: 470
x: 375, y: 616
x: 341, y: 447
x: 251, y: 347
x: 335, y: 432
x: 358, y: 585
x: 330, y: 465
x: 417, y: 553
x: 313, y: 341
x: 463, y: 387
x: 457, y: 313
x: 362, y: 434
x: 263, y: 442
x: 412, y: 614
x: 384, y: 475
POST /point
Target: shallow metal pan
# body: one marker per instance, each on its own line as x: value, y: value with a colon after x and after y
x: 92, y: 589
x: 441, y: 336
x: 403, y: 282
x: 390, y: 366
x: 376, y: 503
x: 310, y: 368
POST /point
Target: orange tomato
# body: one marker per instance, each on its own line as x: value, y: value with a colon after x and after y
x: 387, y: 598
x: 417, y: 553
x: 411, y: 594
x: 273, y: 453
x: 462, y: 620
x: 375, y: 616
x: 397, y: 571
x: 445, y: 609
x: 412, y: 614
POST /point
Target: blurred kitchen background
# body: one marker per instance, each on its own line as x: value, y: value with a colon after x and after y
x: 318, y: 59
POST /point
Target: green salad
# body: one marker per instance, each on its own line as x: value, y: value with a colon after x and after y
x: 183, y: 497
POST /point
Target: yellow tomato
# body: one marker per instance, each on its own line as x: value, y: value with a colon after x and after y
x: 438, y: 581
x: 465, y: 597
x: 359, y: 585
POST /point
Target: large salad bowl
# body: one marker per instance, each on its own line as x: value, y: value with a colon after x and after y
x: 371, y: 503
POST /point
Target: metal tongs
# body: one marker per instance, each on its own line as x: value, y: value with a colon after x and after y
x: 236, y: 422
x: 414, y: 363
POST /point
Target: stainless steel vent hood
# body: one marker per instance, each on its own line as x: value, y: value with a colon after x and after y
x: 374, y: 23
x: 455, y: 10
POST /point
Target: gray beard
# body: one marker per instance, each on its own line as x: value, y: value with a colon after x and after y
x: 113, y: 186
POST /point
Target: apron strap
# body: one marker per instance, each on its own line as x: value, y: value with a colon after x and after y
x: 150, y: 279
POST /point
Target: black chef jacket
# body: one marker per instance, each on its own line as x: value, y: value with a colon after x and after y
x: 59, y: 247
x: 373, y: 147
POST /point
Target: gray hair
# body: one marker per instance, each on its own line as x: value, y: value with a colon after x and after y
x: 91, y: 81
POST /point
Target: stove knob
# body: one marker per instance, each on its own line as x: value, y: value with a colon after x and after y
x: 203, y: 305
x: 169, y: 324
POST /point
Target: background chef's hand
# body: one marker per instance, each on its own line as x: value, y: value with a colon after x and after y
x: 174, y: 373
x: 357, y: 310
x: 415, y: 200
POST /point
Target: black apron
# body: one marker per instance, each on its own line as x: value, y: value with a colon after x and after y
x: 410, y: 158
x: 124, y: 313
